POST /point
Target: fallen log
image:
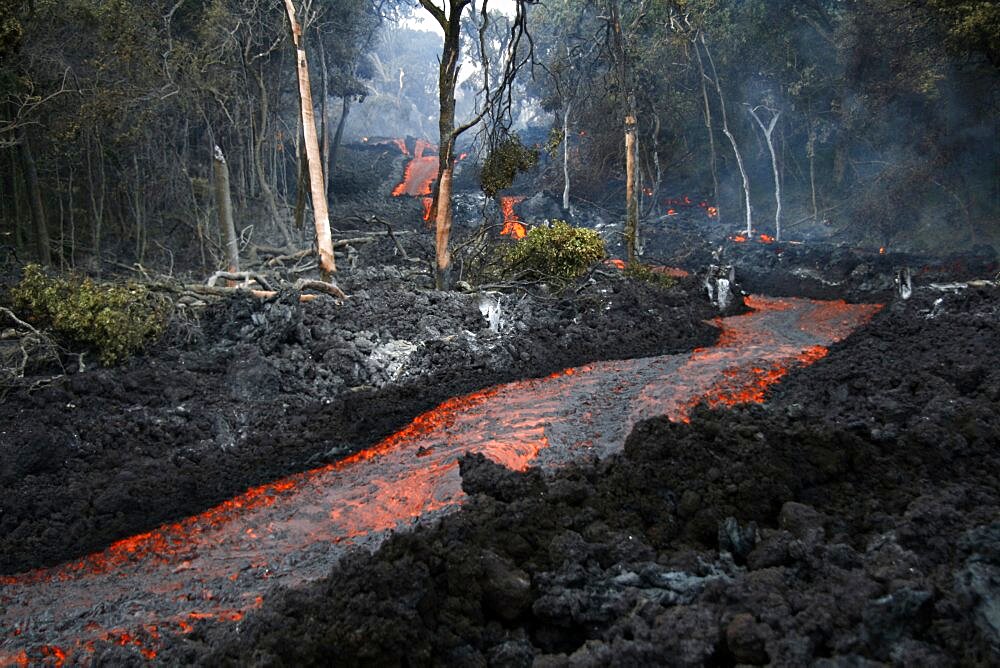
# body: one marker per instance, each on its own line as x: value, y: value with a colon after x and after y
x: 245, y: 276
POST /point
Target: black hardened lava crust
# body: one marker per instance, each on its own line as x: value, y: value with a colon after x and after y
x: 853, y: 518
x: 272, y: 388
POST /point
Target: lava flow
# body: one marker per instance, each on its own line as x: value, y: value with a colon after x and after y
x: 512, y: 224
x: 420, y: 171
x: 217, y: 566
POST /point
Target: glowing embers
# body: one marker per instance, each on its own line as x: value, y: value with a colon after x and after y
x: 420, y: 172
x: 512, y: 224
x: 428, y: 204
x: 676, y: 204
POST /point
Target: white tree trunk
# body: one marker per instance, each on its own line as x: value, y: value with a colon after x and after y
x: 768, y: 131
x: 317, y: 182
x: 731, y: 138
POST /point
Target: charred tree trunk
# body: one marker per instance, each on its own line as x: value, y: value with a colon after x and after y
x: 811, y: 154
x: 258, y: 162
x: 97, y: 199
x: 768, y: 131
x: 565, y: 198
x: 338, y: 137
x: 711, y: 131
x: 732, y: 139
x: 317, y: 182
x: 34, y: 192
x: 324, y: 107
x: 223, y: 199
x: 300, y: 185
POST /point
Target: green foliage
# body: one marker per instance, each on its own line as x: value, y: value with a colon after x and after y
x: 555, y: 140
x: 562, y: 251
x: 503, y: 164
x: 647, y: 274
x: 114, y: 320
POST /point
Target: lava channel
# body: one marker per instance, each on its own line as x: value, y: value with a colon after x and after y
x: 217, y: 566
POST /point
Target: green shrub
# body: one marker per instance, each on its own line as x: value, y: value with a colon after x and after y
x: 503, y: 164
x: 560, y: 251
x: 643, y: 272
x: 113, y: 320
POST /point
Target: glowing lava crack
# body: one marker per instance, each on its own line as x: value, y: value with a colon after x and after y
x: 218, y: 565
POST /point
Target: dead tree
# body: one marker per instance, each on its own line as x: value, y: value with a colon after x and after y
x: 223, y: 199
x: 714, y: 79
x: 768, y: 131
x: 34, y: 191
x: 708, y: 125
x: 317, y: 182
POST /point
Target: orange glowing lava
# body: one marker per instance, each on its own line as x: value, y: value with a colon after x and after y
x: 294, y: 530
x: 739, y: 238
x: 766, y: 239
x: 420, y: 172
x: 512, y: 225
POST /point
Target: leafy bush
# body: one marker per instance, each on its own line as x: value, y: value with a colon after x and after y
x: 643, y: 272
x: 560, y: 251
x: 114, y: 320
x: 503, y: 164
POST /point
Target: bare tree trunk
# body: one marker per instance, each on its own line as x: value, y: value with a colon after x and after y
x: 631, y: 185
x: 811, y: 153
x: 442, y: 226
x: 732, y: 139
x: 324, y: 112
x: 96, y: 203
x: 711, y: 132
x: 223, y: 199
x: 768, y: 131
x: 258, y: 162
x: 7, y: 197
x: 317, y: 182
x: 34, y: 191
x: 300, y: 185
x: 338, y: 137
x: 566, y: 158
x: 656, y: 175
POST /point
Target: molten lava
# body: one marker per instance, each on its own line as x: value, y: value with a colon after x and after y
x: 216, y: 567
x: 512, y: 225
x: 420, y: 172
